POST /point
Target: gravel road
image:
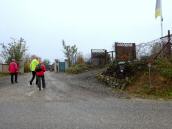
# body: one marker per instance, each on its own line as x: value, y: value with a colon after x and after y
x: 76, y: 102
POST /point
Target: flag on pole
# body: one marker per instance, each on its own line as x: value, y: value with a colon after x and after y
x: 158, y: 10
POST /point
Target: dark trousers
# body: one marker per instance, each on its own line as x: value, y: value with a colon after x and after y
x: 33, y: 77
x: 41, y: 79
x: 12, y: 77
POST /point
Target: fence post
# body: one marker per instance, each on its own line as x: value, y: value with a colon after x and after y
x: 0, y: 67
x: 116, y: 51
x: 169, y: 43
x: 149, y: 65
x: 134, y: 51
x: 91, y: 57
x: 105, y: 56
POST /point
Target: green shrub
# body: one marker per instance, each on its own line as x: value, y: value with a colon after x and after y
x: 163, y: 63
x: 164, y: 67
x: 78, y: 68
x: 166, y: 72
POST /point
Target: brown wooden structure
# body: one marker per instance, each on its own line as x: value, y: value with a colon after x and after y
x: 125, y: 51
x: 99, y: 56
x: 4, y: 68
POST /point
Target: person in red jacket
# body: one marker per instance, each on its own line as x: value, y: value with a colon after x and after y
x: 13, y: 70
x: 40, y: 69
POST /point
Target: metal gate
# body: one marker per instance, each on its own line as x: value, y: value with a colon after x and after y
x: 61, y: 66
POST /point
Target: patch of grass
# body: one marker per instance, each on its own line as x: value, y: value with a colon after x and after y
x: 164, y: 66
x: 158, y: 89
x: 3, y: 74
x: 161, y: 81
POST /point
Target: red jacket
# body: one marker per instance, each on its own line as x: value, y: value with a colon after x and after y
x: 43, y: 69
x: 13, y: 67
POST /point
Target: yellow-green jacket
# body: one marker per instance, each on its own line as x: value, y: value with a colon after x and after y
x: 33, y: 64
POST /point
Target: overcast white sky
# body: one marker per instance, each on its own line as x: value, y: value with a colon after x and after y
x: 86, y: 23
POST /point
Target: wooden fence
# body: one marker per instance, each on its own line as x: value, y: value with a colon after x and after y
x: 4, y: 68
x: 125, y: 51
x: 99, y: 56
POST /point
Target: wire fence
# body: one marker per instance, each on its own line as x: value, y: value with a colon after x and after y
x: 161, y: 46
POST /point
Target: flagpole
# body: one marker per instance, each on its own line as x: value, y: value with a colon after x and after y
x: 161, y: 19
x: 161, y: 26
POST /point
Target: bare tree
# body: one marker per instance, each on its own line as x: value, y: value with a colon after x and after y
x: 70, y: 52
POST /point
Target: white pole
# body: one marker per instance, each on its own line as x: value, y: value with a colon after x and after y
x: 161, y: 26
x: 161, y: 20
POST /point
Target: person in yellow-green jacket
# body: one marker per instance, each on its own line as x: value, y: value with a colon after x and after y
x: 33, y: 65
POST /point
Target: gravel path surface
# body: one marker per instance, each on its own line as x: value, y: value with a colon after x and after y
x: 76, y: 102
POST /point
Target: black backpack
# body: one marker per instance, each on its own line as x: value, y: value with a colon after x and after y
x: 38, y: 68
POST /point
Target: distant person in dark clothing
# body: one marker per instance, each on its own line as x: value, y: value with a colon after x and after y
x: 40, y: 69
x: 33, y: 65
x: 13, y: 70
